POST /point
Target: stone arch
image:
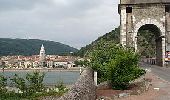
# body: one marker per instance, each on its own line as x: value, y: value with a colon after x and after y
x: 160, y: 26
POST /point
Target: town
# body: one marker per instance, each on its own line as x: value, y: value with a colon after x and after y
x: 38, y: 61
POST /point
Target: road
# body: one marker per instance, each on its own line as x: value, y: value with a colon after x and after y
x: 161, y: 72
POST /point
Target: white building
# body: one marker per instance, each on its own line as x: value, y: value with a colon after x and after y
x: 42, y: 56
x: 60, y: 63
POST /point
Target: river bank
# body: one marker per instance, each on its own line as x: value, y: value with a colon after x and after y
x: 75, y: 69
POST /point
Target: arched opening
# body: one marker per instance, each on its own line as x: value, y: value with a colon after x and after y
x: 149, y: 43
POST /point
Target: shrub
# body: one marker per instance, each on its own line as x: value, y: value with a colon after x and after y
x: 3, y: 83
x: 100, y: 57
x: 19, y: 83
x: 124, y: 68
x: 35, y: 81
x: 116, y: 63
x: 60, y: 86
x: 31, y: 88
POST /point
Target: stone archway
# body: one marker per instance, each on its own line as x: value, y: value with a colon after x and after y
x: 136, y: 13
x: 160, y: 43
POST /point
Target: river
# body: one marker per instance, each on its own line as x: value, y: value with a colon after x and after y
x: 51, y: 77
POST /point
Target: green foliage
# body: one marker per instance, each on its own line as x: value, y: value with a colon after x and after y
x: 60, y: 86
x: 100, y: 56
x: 81, y: 62
x: 124, y: 69
x: 32, y: 47
x: 20, y: 83
x: 146, y: 43
x: 113, y: 36
x: 3, y: 83
x: 35, y: 81
x: 116, y: 63
x: 31, y: 88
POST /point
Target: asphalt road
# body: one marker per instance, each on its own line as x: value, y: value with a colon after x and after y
x: 161, y: 72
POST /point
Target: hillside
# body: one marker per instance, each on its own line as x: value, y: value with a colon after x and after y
x: 146, y: 42
x: 32, y: 47
x: 113, y: 36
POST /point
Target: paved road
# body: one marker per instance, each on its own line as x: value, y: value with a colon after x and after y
x: 162, y: 72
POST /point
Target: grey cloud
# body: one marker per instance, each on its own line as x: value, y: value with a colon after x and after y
x: 16, y: 4
x: 74, y: 22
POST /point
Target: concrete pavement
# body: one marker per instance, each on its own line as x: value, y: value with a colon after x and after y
x: 162, y: 72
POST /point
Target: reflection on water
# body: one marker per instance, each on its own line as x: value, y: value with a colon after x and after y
x: 51, y: 78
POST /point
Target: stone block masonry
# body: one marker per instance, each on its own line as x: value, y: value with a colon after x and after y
x: 146, y: 14
x: 83, y: 89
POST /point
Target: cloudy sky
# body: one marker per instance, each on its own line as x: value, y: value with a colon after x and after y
x: 73, y: 22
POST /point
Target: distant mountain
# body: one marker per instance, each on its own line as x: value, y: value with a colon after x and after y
x: 113, y: 36
x: 32, y: 46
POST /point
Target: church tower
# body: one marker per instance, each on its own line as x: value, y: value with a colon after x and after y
x: 42, y: 56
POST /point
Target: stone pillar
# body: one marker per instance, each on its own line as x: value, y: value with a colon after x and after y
x: 129, y: 30
x: 123, y: 26
x: 163, y: 51
x: 168, y: 47
x: 167, y: 31
x: 95, y: 78
x: 159, y: 51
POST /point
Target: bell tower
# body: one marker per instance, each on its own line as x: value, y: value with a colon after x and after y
x: 42, y: 56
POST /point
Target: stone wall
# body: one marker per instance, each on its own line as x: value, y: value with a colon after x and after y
x: 83, y: 89
x: 135, y: 16
x: 143, y: 1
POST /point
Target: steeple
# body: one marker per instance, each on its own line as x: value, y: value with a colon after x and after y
x: 42, y: 47
x: 42, y: 56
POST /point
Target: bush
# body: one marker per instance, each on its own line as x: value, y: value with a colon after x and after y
x: 31, y: 88
x: 60, y: 86
x: 116, y: 63
x: 100, y: 57
x: 20, y: 84
x: 35, y: 81
x: 3, y: 83
x: 124, y: 69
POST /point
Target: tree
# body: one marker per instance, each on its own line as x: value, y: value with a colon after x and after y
x: 116, y: 63
x: 35, y: 81
x: 20, y: 83
x: 146, y: 43
x: 3, y: 83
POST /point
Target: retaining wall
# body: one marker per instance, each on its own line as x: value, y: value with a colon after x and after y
x: 83, y: 89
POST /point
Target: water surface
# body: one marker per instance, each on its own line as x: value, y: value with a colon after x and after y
x: 51, y: 77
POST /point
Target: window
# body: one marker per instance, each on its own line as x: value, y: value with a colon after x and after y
x: 167, y: 8
x: 128, y: 9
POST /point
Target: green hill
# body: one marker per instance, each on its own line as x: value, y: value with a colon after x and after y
x: 32, y: 46
x: 113, y: 36
x: 146, y: 42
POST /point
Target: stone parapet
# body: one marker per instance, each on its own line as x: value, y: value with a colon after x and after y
x: 83, y: 89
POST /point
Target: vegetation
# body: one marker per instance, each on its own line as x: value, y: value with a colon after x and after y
x: 124, y: 68
x: 113, y: 36
x: 81, y: 62
x: 32, y: 47
x: 35, y: 82
x: 146, y: 43
x: 30, y: 87
x: 3, y: 83
x: 115, y: 63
